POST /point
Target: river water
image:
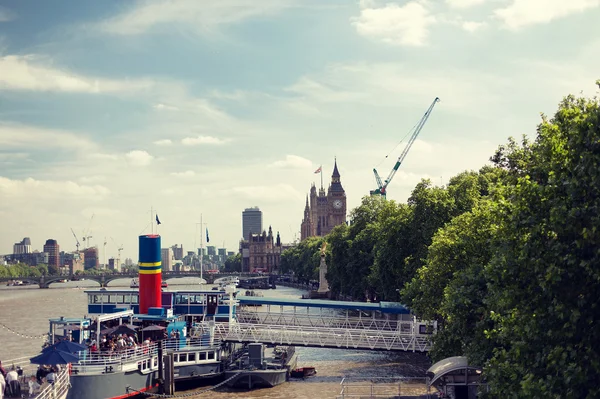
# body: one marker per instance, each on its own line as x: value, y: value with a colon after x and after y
x: 27, y: 310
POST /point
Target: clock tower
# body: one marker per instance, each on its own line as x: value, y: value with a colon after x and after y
x: 336, y: 200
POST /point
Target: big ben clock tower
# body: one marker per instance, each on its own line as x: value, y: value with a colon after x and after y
x: 336, y: 200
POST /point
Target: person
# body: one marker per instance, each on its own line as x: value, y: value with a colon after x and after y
x: 2, y: 386
x: 12, y: 381
x: 2, y: 370
x: 50, y: 377
x: 34, y: 387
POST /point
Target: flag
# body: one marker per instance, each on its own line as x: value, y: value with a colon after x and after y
x: 318, y: 170
x: 157, y: 220
x: 207, y: 239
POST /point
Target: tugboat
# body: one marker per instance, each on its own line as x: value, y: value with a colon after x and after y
x: 252, y: 369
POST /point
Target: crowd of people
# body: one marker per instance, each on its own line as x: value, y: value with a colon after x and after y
x: 13, y: 384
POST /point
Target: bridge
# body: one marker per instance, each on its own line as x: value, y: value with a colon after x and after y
x: 103, y: 279
x: 326, y: 324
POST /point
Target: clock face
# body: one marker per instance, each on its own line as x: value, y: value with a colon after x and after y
x: 337, y: 204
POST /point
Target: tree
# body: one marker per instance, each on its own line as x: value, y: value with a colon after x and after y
x: 234, y: 263
x: 545, y: 277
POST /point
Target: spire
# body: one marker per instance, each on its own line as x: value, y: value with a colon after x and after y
x: 336, y: 173
x: 278, y: 242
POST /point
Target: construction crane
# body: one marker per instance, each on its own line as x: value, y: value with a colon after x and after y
x: 119, y: 249
x: 86, y: 233
x: 76, y: 239
x: 382, y: 186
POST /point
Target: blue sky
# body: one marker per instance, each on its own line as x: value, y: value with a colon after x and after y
x: 108, y: 108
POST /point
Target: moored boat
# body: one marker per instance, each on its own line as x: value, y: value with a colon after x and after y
x: 252, y: 369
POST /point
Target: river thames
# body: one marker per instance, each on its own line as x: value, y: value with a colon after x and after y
x: 27, y: 310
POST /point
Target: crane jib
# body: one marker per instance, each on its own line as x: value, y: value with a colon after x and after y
x: 382, y: 188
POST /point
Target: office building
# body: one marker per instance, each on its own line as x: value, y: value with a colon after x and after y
x: 251, y: 222
x: 52, y: 249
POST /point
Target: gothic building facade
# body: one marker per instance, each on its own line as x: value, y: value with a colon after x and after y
x: 261, y: 252
x: 324, y: 211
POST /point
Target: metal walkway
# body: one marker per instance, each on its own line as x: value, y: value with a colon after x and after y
x: 326, y: 324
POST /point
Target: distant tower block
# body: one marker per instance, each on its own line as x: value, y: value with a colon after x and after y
x: 150, y: 272
x: 323, y: 284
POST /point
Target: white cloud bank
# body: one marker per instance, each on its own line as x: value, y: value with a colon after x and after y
x: 522, y: 13
x: 32, y: 188
x: 292, y: 162
x: 139, y: 158
x: 32, y: 73
x: 406, y: 25
x: 163, y: 142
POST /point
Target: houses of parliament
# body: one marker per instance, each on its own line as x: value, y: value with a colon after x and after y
x: 324, y: 211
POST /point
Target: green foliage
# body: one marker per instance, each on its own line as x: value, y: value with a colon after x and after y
x: 303, y: 259
x: 22, y: 270
x: 234, y: 263
x: 505, y: 259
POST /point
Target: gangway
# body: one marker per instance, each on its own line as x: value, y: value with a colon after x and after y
x: 328, y: 324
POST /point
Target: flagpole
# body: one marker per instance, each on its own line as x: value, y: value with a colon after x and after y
x: 201, y: 251
x: 151, y: 222
x: 321, y: 176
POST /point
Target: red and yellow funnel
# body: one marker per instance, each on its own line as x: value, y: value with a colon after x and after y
x: 150, y: 272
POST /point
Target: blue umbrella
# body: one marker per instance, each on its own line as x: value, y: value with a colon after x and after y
x: 53, y: 357
x: 66, y: 346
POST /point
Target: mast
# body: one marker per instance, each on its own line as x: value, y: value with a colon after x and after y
x: 201, y: 241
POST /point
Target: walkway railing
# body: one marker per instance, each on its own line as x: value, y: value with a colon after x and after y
x: 382, y: 387
x: 349, y: 338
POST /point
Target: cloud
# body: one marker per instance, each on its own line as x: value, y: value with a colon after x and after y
x: 6, y: 14
x: 464, y: 3
x: 292, y: 162
x: 164, y: 107
x: 32, y: 188
x: 12, y: 156
x: 29, y: 73
x: 522, y: 13
x: 163, y: 142
x: 139, y: 158
x: 201, y: 16
x: 405, y: 25
x: 202, y: 140
x: 187, y: 173
x: 472, y: 26
x: 23, y: 136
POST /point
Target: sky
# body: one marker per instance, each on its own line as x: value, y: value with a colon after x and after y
x: 199, y: 109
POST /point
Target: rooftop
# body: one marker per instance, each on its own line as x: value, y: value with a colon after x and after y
x: 383, y: 307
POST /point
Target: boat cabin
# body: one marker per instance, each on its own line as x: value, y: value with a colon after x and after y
x: 195, y: 305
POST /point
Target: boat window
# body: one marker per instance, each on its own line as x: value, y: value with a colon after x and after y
x: 191, y: 357
x: 127, y: 298
x: 134, y: 299
x: 155, y: 362
x: 112, y: 299
x: 118, y: 298
x: 211, y: 355
x: 202, y: 355
x: 105, y: 298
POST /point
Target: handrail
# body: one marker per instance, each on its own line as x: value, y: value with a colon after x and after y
x: 59, y: 388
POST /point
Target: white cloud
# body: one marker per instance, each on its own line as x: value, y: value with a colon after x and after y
x: 139, y: 158
x: 201, y: 16
x: 32, y: 188
x: 292, y: 162
x: 165, y: 107
x: 201, y: 140
x: 22, y: 136
x: 12, y: 156
x: 163, y: 142
x: 472, y: 26
x: 30, y: 73
x: 92, y: 179
x: 521, y: 13
x: 398, y: 25
x: 187, y: 173
x: 464, y: 3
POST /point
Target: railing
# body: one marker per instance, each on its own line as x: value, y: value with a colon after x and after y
x: 60, y: 387
x: 323, y: 337
x: 320, y: 320
x: 101, y: 362
x: 381, y: 387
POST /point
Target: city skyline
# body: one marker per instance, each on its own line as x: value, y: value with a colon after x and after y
x: 111, y: 108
